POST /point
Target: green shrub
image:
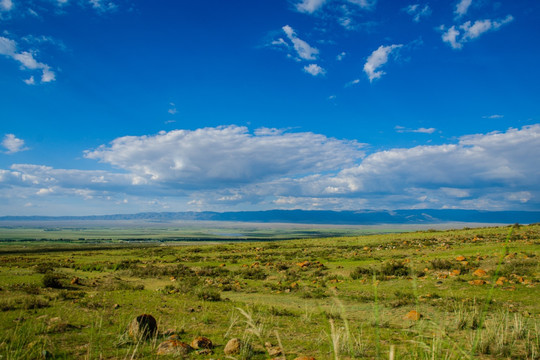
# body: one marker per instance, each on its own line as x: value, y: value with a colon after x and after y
x: 441, y: 264
x: 209, y: 294
x: 359, y: 272
x: 395, y: 268
x: 51, y: 281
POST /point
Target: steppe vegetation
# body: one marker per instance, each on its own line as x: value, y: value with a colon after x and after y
x: 469, y: 293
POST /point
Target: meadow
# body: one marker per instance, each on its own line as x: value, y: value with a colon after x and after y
x: 436, y: 294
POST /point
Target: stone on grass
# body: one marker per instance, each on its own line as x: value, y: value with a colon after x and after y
x: 201, y: 342
x: 234, y: 346
x: 413, y: 315
x: 478, y: 282
x: 480, y: 273
x: 143, y: 327
x: 173, y: 347
x: 461, y: 258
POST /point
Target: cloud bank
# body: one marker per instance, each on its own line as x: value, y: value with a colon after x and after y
x: 228, y: 168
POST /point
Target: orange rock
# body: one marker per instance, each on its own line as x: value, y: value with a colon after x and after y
x: 478, y: 282
x: 480, y: 273
x: 455, y: 272
x: 413, y: 315
x: 201, y: 342
x: 303, y: 264
x: 500, y: 281
x: 461, y: 258
x: 173, y: 347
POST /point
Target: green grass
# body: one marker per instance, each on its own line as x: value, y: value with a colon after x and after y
x: 331, y: 298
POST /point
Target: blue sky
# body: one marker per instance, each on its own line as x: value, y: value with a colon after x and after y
x: 120, y: 106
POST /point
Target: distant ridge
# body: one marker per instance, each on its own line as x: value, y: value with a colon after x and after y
x: 360, y: 217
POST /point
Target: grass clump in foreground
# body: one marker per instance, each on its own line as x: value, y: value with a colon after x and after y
x: 467, y: 294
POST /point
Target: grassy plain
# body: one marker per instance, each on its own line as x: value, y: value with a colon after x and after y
x: 330, y: 298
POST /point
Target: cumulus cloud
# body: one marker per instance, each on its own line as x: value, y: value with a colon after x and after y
x: 468, y: 31
x: 341, y: 56
x: 377, y: 59
x: 462, y: 7
x: 303, y: 49
x: 224, y: 156
x: 13, y: 144
x: 6, y: 5
x: 478, y: 166
x: 417, y: 11
x: 314, y: 70
x: 8, y: 48
x: 228, y: 166
x: 310, y: 6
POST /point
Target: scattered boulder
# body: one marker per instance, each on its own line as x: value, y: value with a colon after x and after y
x: 478, y: 282
x: 461, y: 258
x: 413, y: 315
x: 173, y: 347
x: 303, y: 264
x: 234, y: 346
x: 143, y: 327
x: 480, y: 273
x: 205, y: 352
x: 455, y: 272
x: 201, y: 342
x: 75, y: 281
x: 501, y: 280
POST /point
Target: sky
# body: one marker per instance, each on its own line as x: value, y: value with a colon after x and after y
x: 126, y: 106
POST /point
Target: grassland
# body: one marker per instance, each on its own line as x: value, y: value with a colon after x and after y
x: 330, y: 298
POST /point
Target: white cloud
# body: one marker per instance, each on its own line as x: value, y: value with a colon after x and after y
x: 8, y: 48
x: 30, y: 81
x: 6, y: 5
x: 480, y: 165
x: 422, y: 130
x: 353, y: 82
x: 13, y: 144
x: 474, y: 30
x: 314, y: 70
x: 310, y: 6
x: 451, y: 37
x: 229, y: 167
x: 341, y: 56
x: 224, y: 156
x: 101, y: 5
x: 303, y: 49
x: 462, y: 7
x: 364, y: 4
x: 494, y: 116
x: 468, y: 31
x: 172, y: 109
x: 377, y: 59
x: 417, y: 11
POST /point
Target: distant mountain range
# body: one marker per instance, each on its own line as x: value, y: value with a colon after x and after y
x: 361, y: 217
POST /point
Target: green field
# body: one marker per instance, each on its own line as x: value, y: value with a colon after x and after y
x: 329, y: 298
